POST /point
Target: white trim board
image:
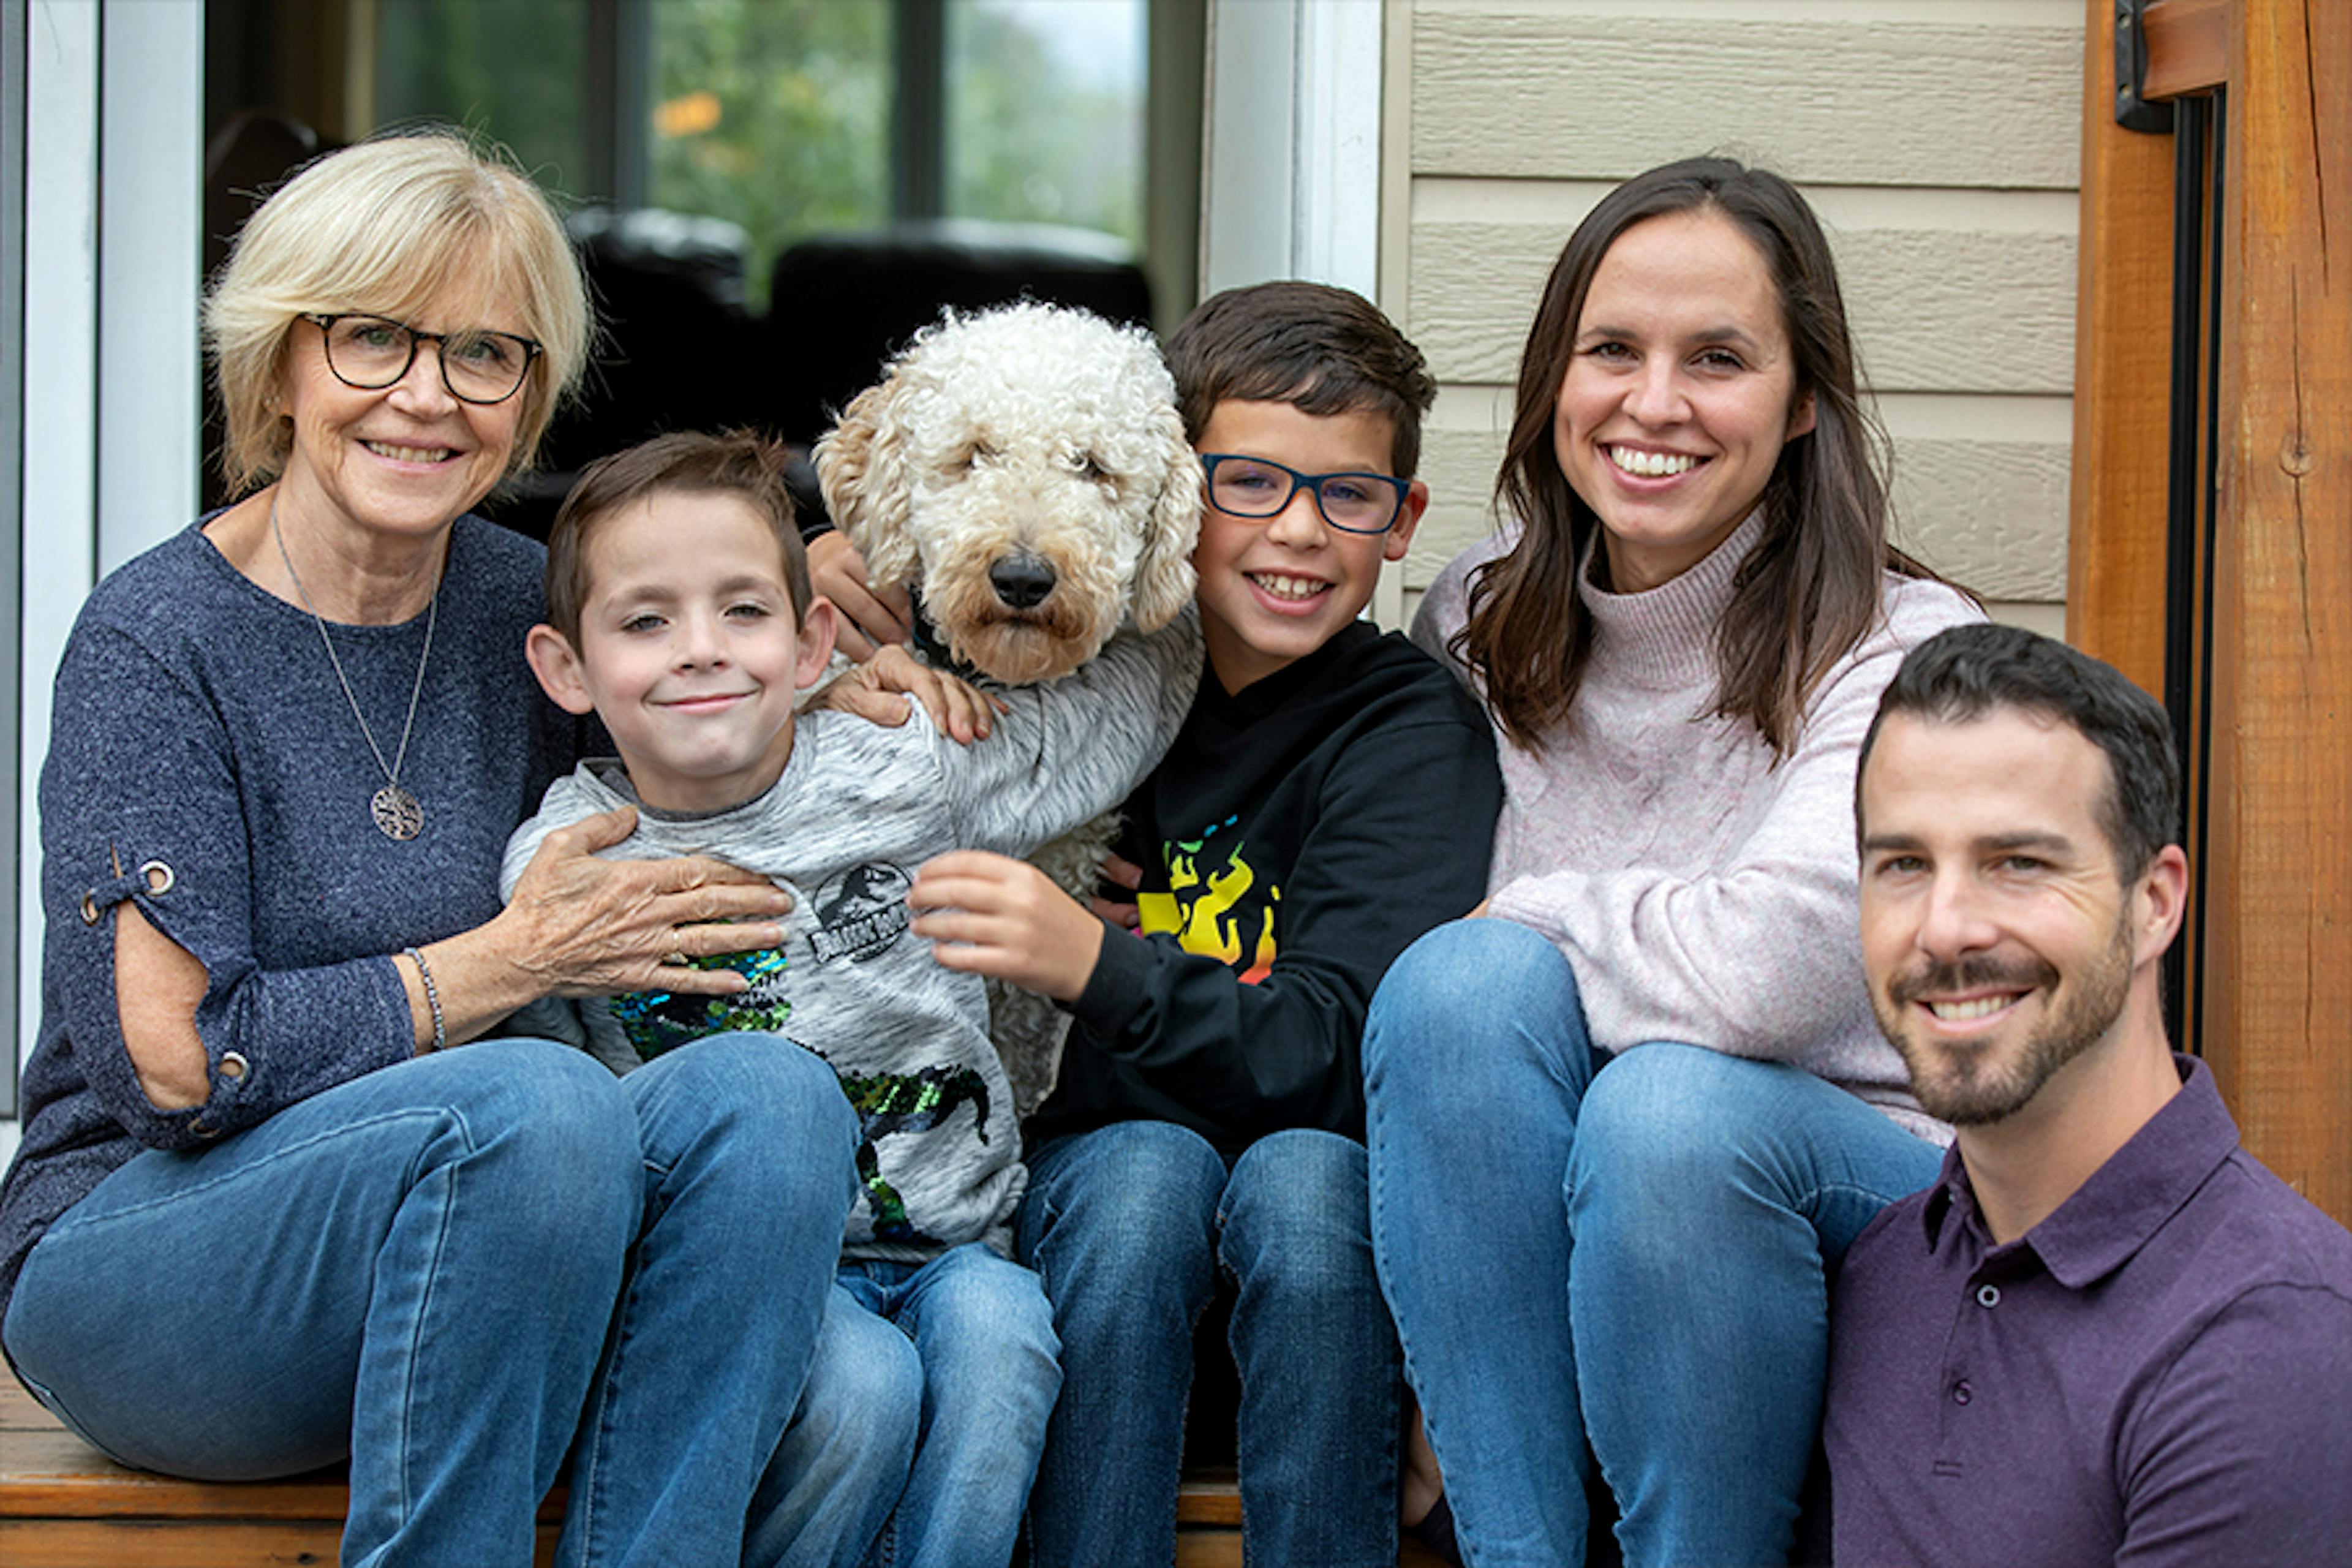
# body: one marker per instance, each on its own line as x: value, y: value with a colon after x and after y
x: 113, y: 150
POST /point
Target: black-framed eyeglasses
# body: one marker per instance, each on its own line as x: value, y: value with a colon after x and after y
x: 1260, y: 488
x: 369, y: 353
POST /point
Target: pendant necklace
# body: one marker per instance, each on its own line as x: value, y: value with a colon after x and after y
x: 397, y: 811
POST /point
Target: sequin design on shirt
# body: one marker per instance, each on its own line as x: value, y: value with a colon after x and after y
x: 659, y: 1021
x: 906, y: 1102
x: 1216, y: 904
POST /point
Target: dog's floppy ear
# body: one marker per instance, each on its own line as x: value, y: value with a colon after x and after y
x: 1163, y: 573
x: 861, y: 466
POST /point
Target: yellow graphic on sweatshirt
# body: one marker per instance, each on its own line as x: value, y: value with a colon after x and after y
x: 1215, y: 904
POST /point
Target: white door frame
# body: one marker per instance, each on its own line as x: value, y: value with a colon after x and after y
x: 1290, y: 183
x: 108, y: 418
x: 1290, y: 171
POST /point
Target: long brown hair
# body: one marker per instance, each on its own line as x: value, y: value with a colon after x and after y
x: 1810, y: 588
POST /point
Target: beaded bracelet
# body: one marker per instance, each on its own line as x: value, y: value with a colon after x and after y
x: 432, y: 998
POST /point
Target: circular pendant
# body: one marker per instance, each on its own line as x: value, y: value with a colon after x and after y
x: 396, y: 813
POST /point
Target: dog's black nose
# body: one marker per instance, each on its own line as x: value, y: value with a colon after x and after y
x: 1022, y: 581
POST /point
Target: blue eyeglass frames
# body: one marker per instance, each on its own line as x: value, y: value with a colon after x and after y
x: 1259, y: 487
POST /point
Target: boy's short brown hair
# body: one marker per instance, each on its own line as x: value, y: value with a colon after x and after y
x: 740, y: 463
x: 1322, y: 350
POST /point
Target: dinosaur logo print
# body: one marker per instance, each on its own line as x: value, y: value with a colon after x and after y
x: 1216, y: 904
x: 658, y: 1021
x: 860, y: 914
x: 906, y: 1102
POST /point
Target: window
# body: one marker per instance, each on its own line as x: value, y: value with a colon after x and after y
x: 1044, y: 105
x: 774, y: 114
x: 512, y: 69
x: 793, y: 117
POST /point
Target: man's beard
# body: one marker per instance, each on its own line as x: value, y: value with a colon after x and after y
x: 1970, y: 1086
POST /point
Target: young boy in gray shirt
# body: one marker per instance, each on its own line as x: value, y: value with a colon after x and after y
x: 680, y: 614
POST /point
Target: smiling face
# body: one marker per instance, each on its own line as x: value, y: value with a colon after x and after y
x: 405, y: 460
x: 688, y: 649
x: 2003, y: 947
x: 1681, y: 390
x: 1275, y: 589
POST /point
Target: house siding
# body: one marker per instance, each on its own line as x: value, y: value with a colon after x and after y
x: 1938, y: 142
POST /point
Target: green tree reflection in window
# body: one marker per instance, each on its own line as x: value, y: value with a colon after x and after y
x: 774, y: 114
x: 1046, y: 113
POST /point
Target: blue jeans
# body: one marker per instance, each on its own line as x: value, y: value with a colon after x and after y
x: 1630, y: 1251
x: 1129, y: 1224
x: 844, y: 1461
x: 430, y: 1268
x: 968, y: 1339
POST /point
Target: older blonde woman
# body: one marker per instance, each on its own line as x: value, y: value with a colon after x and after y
x: 276, y: 1201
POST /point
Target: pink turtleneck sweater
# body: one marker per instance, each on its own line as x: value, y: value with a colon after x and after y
x: 1701, y: 894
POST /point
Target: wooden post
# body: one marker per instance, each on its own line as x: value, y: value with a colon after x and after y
x: 2277, y: 1005
x: 2123, y: 355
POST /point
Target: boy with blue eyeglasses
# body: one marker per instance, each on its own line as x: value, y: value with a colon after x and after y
x: 1331, y: 795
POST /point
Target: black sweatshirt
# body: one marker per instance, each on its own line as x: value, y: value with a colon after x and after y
x: 1298, y: 836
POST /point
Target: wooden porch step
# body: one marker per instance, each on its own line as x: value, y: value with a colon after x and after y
x: 63, y: 1505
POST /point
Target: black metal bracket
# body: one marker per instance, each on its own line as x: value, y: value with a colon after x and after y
x: 2134, y: 112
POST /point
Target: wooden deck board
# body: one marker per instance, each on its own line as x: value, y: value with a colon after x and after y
x: 64, y: 1505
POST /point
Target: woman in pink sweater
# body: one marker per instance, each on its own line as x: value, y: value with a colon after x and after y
x: 1621, y: 1127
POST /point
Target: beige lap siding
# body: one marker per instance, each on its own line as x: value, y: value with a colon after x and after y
x: 1939, y: 143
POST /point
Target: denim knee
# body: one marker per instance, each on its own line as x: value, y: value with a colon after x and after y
x: 764, y: 1083
x: 748, y: 1101
x: 1663, y: 1110
x: 1298, y: 1217
x: 569, y: 1124
x: 1461, y: 994
x: 861, y: 1407
x: 1133, y: 1205
x: 1672, y: 1136
x: 982, y: 1321
x: 558, y: 1101
x: 547, y: 1139
x: 846, y: 1453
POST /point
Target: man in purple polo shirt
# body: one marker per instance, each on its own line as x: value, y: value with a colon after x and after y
x: 2106, y: 1335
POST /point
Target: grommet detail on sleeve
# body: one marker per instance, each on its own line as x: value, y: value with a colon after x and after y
x: 154, y: 879
x: 1987, y: 1296
x: 231, y: 1065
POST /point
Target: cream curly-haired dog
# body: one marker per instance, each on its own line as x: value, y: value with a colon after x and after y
x: 1023, y: 472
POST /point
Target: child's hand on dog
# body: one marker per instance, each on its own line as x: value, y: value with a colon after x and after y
x: 869, y: 620
x: 991, y: 914
x: 961, y: 712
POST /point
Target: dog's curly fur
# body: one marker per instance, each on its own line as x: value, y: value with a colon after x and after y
x: 1033, y: 437
x: 1025, y: 472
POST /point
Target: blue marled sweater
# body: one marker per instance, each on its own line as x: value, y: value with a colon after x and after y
x: 198, y: 725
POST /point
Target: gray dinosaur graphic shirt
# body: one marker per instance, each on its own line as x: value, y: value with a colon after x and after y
x: 859, y: 808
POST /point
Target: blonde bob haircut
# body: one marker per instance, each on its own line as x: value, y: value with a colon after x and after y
x: 392, y: 227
